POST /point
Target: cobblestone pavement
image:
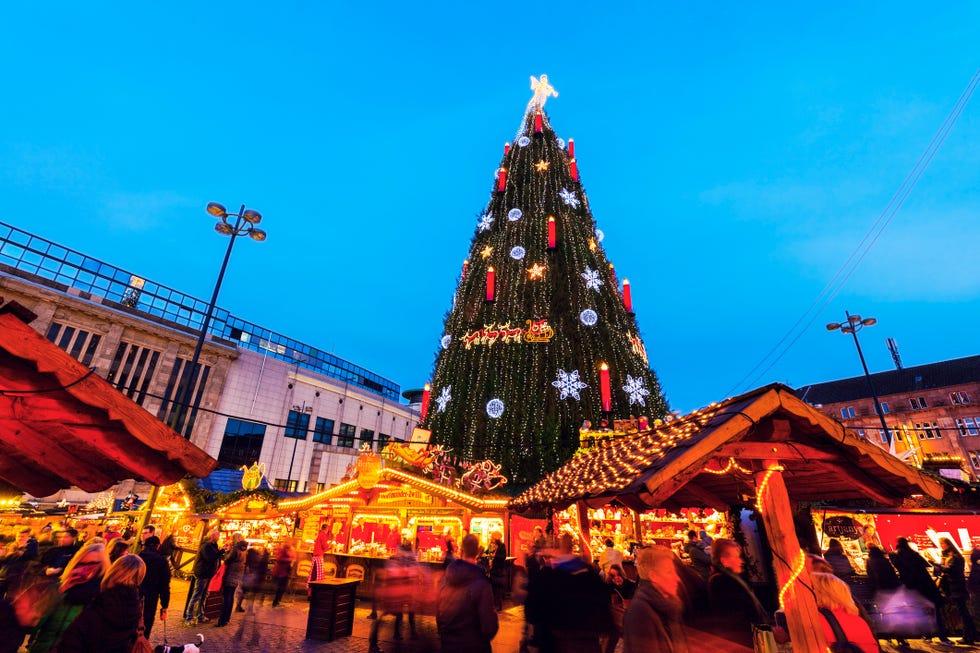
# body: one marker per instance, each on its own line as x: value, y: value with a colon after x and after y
x: 264, y: 629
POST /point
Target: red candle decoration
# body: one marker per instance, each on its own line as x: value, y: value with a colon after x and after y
x: 573, y: 168
x: 506, y: 149
x: 571, y: 147
x: 466, y: 264
x: 501, y: 180
x: 490, y: 283
x: 538, y: 122
x: 612, y: 273
x: 552, y: 235
x: 425, y: 401
x: 604, y: 388
x: 627, y: 296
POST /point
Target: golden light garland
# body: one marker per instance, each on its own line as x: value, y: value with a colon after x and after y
x: 765, y: 484
x: 732, y: 464
x: 797, y: 570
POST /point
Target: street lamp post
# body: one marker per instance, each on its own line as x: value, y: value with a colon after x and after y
x: 244, y: 225
x: 852, y: 325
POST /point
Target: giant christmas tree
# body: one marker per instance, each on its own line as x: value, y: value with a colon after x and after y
x: 536, y: 314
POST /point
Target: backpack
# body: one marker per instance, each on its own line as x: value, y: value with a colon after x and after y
x: 841, y: 645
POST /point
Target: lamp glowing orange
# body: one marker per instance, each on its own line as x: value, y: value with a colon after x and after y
x: 538, y: 122
x: 627, y: 296
x: 552, y: 232
x: 573, y: 168
x: 425, y: 401
x: 604, y: 387
x: 490, y: 283
x: 502, y: 180
x: 571, y: 147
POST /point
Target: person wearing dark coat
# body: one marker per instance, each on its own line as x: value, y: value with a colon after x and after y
x: 465, y: 616
x: 205, y: 566
x: 155, y: 587
x: 498, y: 571
x: 953, y: 585
x: 733, y: 606
x: 700, y: 560
x: 913, y: 570
x: 652, y: 622
x: 838, y: 560
x: 881, y: 573
x: 234, y: 559
x: 567, y: 603
x: 109, y: 624
x: 256, y: 568
x: 54, y: 560
x: 973, y: 583
x: 621, y: 591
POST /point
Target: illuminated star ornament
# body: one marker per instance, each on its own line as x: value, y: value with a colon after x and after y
x: 536, y: 271
x: 486, y: 251
x: 541, y: 166
x: 592, y: 244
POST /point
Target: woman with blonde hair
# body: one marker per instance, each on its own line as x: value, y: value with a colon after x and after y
x: 835, y: 603
x: 110, y: 622
x: 78, y: 587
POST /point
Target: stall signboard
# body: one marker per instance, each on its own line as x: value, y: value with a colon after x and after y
x: 926, y: 529
x: 404, y: 496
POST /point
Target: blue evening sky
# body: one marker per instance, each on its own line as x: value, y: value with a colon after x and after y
x: 734, y: 155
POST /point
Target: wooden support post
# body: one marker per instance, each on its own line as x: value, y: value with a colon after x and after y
x: 802, y: 618
x: 583, y: 525
x: 637, y: 528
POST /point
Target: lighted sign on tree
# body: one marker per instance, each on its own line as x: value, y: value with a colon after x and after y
x: 536, y: 313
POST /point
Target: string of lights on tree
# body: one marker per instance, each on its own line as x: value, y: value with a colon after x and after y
x: 536, y: 312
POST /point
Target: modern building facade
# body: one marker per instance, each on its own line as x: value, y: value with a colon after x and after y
x: 258, y: 396
x: 932, y: 411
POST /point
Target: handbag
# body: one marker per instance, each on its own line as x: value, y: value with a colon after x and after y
x: 214, y: 585
x: 841, y: 645
x: 141, y: 645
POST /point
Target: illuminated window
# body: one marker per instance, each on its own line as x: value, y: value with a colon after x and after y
x: 285, y: 485
x: 959, y: 398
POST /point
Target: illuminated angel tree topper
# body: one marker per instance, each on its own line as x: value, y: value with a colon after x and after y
x: 537, y: 310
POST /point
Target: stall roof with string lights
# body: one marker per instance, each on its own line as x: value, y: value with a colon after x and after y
x: 61, y: 425
x: 708, y: 458
x: 766, y: 445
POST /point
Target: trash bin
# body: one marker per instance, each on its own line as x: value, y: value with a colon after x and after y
x: 331, y: 609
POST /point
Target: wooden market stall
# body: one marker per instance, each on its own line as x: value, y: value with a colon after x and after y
x: 767, y: 445
x: 365, y: 525
x: 61, y: 425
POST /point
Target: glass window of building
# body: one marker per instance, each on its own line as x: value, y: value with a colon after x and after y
x: 323, y: 430
x: 241, y: 444
x: 345, y: 438
x: 297, y: 425
x: 367, y: 437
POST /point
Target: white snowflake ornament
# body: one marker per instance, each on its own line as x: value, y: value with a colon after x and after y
x: 444, y: 398
x: 568, y: 383
x: 495, y: 408
x: 568, y: 197
x: 634, y: 388
x: 592, y: 279
x: 485, y: 222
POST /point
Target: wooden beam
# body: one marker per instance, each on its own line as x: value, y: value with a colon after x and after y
x: 584, y: 526
x: 706, y: 498
x: 50, y: 457
x: 802, y: 618
x: 777, y: 450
